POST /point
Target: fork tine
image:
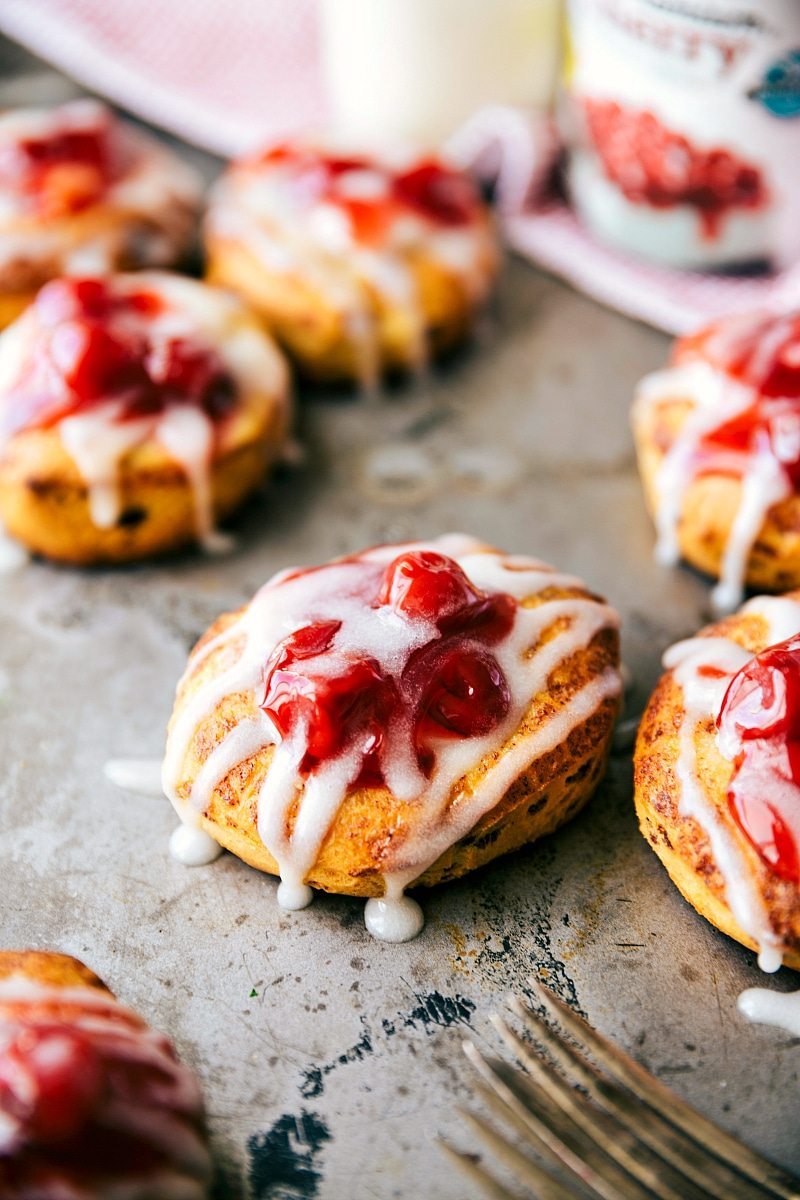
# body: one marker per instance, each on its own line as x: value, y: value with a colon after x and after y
x: 613, y: 1139
x: 660, y: 1099
x: 527, y: 1172
x: 671, y: 1144
x: 553, y: 1133
x: 474, y: 1172
x: 522, y: 1123
x: 512, y: 1112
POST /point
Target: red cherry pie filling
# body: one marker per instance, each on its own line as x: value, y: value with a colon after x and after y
x: 759, y: 729
x: 99, y: 345
x: 728, y: 407
x: 372, y: 196
x: 449, y: 686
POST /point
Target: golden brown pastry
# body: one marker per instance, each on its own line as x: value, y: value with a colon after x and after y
x: 82, y: 192
x: 135, y: 412
x: 93, y: 1103
x: 395, y: 718
x: 718, y: 440
x: 717, y: 775
x: 358, y: 266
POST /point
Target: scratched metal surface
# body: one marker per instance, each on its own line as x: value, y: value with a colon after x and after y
x: 328, y: 1059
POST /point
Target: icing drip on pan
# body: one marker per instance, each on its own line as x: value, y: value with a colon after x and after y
x: 140, y: 775
x: 761, y: 1006
x: 193, y: 847
x: 358, y: 647
x: 188, y: 845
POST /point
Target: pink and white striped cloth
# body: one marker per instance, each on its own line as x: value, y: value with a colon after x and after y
x: 223, y: 74
x: 228, y: 74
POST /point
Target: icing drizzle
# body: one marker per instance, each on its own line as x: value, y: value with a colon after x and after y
x: 761, y: 1006
x: 351, y: 226
x: 378, y: 671
x: 741, y: 377
x: 704, y: 668
x: 92, y: 1100
x: 119, y: 362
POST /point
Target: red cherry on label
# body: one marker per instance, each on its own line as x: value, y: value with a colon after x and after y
x: 146, y: 303
x: 425, y: 584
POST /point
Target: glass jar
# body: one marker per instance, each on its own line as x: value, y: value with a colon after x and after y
x: 414, y: 70
x: 683, y: 120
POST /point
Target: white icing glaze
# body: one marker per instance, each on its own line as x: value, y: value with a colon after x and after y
x: 142, y: 775
x: 165, y: 1116
x: 702, y: 700
x: 289, y: 602
x: 762, y: 1006
x: 764, y: 484
x: 294, y: 896
x: 98, y: 440
x: 193, y: 847
x: 716, y: 397
x: 393, y: 918
x: 261, y: 206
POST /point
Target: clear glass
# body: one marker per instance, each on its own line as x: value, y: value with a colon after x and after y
x: 414, y: 70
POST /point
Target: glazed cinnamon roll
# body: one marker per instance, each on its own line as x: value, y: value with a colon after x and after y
x: 359, y: 266
x: 82, y: 192
x: 93, y: 1103
x: 392, y: 719
x: 718, y: 439
x: 135, y: 412
x: 717, y: 775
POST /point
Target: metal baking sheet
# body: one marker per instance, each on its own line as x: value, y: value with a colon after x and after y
x: 329, y: 1059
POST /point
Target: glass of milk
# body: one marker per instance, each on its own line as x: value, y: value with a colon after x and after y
x: 414, y: 70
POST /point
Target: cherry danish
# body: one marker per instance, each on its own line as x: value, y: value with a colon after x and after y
x: 359, y: 266
x: 718, y: 440
x: 717, y: 775
x: 135, y: 411
x: 392, y: 718
x: 93, y: 1102
x: 85, y: 192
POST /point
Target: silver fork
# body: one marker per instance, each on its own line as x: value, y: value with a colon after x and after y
x: 609, y: 1128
